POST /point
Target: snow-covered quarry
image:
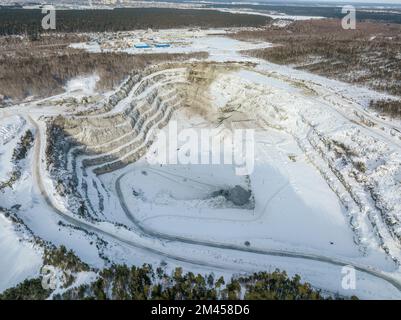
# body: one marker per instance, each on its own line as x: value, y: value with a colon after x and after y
x: 324, y: 189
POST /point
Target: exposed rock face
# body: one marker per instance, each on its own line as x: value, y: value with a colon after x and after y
x: 118, y: 132
x: 237, y: 195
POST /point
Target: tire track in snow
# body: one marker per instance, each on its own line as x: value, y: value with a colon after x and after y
x: 279, y: 253
x: 144, y: 232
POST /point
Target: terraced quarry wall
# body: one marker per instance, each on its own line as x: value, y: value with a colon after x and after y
x: 99, y: 141
x: 120, y: 131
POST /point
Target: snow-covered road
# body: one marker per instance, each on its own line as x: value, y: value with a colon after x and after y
x: 324, y: 186
x: 174, y: 240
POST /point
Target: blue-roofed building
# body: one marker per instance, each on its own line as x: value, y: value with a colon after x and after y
x: 142, y: 46
x: 162, y: 45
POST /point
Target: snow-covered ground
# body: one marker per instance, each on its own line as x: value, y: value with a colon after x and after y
x: 179, y: 41
x: 323, y: 186
x: 177, y: 199
x: 85, y: 85
x: 189, y: 5
x: 19, y: 259
x: 270, y: 14
x: 10, y: 129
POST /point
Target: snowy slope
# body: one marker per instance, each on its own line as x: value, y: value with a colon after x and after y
x: 20, y: 259
x: 323, y: 188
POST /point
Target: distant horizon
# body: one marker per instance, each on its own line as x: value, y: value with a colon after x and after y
x: 283, y: 2
x: 378, y: 2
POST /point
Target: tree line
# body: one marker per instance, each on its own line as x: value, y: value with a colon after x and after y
x: 122, y: 282
x: 23, y: 21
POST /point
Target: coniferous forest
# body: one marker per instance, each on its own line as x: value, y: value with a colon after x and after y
x: 22, y: 21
